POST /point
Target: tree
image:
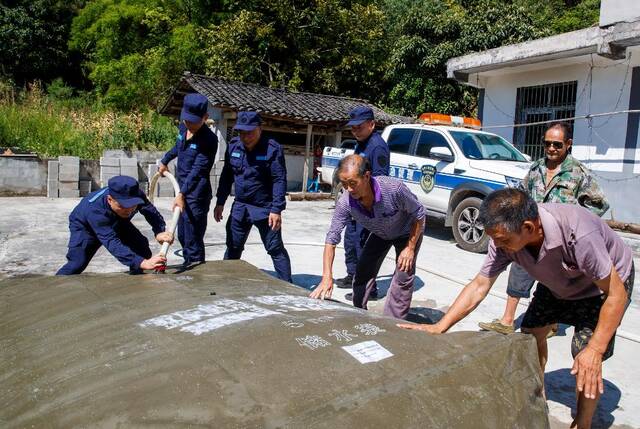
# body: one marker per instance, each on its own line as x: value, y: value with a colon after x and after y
x: 326, y: 46
x: 135, y: 49
x: 33, y: 40
x: 434, y: 31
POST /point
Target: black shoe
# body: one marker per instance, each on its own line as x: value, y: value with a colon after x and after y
x: 345, y: 283
x: 186, y: 266
x: 373, y: 296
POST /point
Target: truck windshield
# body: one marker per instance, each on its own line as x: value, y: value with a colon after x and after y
x: 486, y: 146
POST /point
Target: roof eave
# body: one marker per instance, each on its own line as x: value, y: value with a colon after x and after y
x: 610, y: 42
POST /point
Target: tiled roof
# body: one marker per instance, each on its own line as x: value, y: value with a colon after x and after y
x: 271, y: 102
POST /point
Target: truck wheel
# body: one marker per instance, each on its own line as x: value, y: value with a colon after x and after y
x: 469, y: 234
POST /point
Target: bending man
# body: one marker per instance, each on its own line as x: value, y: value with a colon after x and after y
x: 103, y: 218
x: 585, y: 274
x: 394, y: 217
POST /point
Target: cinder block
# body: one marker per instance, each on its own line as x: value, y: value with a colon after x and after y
x: 109, y: 162
x: 110, y: 170
x: 85, y: 187
x: 69, y: 193
x: 104, y: 180
x: 129, y: 171
x: 68, y: 176
x: 52, y: 171
x: 128, y: 162
x: 69, y: 160
x: 52, y: 188
x: 68, y: 186
x: 68, y: 168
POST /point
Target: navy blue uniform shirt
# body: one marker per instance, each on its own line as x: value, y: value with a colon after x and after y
x: 195, y: 159
x: 93, y: 217
x: 260, y: 177
x: 377, y: 151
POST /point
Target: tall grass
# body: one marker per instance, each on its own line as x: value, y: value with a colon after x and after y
x: 34, y: 121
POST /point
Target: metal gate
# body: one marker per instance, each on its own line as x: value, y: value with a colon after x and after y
x: 541, y: 103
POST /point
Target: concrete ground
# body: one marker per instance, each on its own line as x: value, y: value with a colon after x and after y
x: 34, y: 234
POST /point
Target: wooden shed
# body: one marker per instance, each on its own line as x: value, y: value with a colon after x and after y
x: 302, y: 122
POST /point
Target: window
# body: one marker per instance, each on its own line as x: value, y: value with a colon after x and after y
x: 541, y: 103
x: 428, y: 140
x: 348, y: 144
x: 485, y: 146
x: 399, y: 140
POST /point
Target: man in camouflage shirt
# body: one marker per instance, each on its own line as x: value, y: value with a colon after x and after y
x: 556, y: 178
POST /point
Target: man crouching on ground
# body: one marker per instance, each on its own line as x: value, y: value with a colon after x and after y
x: 103, y: 218
x: 393, y: 215
x: 585, y: 274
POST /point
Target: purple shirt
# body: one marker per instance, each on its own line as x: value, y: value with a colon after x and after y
x: 394, y: 211
x: 578, y: 248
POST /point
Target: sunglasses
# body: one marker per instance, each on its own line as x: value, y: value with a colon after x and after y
x: 555, y: 144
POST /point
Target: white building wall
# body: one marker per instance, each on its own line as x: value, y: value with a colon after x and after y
x: 599, y: 143
x: 613, y: 11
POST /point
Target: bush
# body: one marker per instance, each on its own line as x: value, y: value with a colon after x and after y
x: 48, y: 126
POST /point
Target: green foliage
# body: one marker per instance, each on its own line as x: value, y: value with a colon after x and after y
x: 135, y: 50
x: 391, y: 52
x: 326, y: 46
x: 585, y: 14
x: 58, y: 90
x: 33, y: 40
x: 43, y: 124
x: 435, y: 31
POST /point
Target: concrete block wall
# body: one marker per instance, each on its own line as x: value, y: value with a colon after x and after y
x: 129, y: 167
x: 109, y: 167
x: 52, y: 179
x: 68, y: 176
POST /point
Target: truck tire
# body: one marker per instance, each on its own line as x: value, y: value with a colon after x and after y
x: 469, y: 234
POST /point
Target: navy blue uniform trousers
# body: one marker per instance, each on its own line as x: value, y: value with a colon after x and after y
x: 192, y: 226
x: 238, y: 229
x: 355, y: 236
x: 83, y: 245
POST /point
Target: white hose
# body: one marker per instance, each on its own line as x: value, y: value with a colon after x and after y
x: 176, y: 211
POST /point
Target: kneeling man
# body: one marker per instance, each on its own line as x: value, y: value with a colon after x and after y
x: 394, y: 216
x: 103, y: 218
x: 585, y: 274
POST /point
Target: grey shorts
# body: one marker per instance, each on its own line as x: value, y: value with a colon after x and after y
x: 520, y: 282
x: 545, y: 309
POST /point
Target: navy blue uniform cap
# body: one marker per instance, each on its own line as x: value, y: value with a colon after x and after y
x: 359, y: 114
x: 247, y: 121
x: 125, y: 190
x: 194, y: 107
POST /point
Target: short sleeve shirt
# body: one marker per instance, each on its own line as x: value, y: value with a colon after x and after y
x: 395, y: 209
x: 578, y: 249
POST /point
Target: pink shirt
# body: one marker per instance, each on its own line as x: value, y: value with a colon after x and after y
x: 578, y: 248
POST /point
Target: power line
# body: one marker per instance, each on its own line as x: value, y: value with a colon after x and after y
x: 588, y: 116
